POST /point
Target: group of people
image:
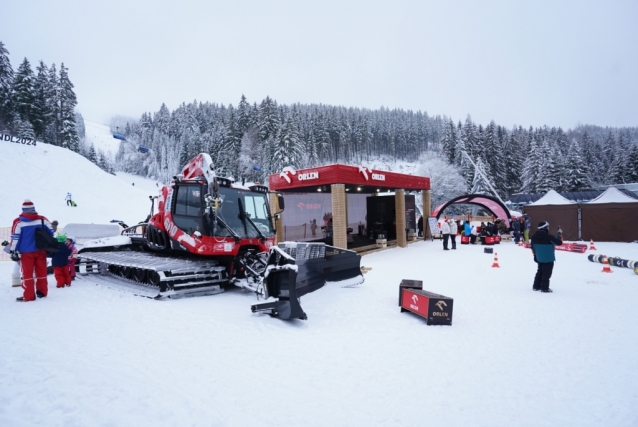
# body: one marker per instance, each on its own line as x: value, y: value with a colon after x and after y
x: 24, y: 249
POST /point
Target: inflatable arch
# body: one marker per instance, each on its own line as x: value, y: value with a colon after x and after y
x: 492, y: 204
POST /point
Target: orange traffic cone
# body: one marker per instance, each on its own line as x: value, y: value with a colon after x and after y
x: 495, y: 264
x: 591, y: 245
x: 606, y: 268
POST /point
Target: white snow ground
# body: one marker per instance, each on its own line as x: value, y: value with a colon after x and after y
x: 95, y: 356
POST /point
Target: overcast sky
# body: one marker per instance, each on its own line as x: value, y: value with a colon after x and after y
x: 552, y: 62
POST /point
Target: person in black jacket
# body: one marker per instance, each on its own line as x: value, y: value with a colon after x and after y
x: 516, y: 228
x: 544, y: 255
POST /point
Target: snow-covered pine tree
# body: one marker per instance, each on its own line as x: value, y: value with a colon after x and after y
x: 41, y: 115
x: 286, y: 150
x: 268, y: 119
x: 92, y: 155
x: 52, y: 131
x: 243, y: 116
x: 23, y: 91
x: 576, y: 171
x: 554, y: 163
x: 68, y: 133
x: 632, y: 164
x: 449, y: 142
x: 531, y: 167
x: 513, y: 161
x: 24, y: 129
x: 6, y: 83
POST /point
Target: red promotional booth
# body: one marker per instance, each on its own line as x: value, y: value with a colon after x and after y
x: 331, y: 201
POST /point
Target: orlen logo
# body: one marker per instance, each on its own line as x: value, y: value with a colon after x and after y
x: 287, y: 172
x: 441, y: 304
x: 415, y: 300
x: 308, y: 175
x: 378, y: 177
x: 364, y: 170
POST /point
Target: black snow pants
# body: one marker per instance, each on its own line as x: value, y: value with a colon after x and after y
x: 543, y: 274
x: 445, y: 239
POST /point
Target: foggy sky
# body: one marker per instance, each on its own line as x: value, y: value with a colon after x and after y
x: 556, y: 63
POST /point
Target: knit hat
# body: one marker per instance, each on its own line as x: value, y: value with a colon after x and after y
x: 61, y: 238
x: 71, y: 238
x: 543, y: 224
x: 27, y: 206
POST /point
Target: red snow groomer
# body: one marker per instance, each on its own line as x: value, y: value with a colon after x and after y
x: 208, y: 233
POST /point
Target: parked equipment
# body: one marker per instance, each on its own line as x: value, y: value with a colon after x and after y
x: 209, y: 233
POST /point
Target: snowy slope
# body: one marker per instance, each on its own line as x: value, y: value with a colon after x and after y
x: 45, y: 174
x: 99, y: 135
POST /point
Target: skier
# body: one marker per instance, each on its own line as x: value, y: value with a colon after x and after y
x: 23, y: 248
x: 69, y: 199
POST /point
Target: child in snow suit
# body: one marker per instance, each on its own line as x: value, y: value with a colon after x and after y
x: 60, y: 263
x: 70, y: 242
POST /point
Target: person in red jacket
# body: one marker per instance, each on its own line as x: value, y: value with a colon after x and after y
x: 23, y: 248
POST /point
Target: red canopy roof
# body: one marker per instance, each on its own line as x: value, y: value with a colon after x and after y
x: 369, y: 179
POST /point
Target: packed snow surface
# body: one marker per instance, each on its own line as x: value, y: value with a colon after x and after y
x: 91, y: 355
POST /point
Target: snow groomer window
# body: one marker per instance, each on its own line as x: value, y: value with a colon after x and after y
x: 188, y: 204
x: 189, y: 201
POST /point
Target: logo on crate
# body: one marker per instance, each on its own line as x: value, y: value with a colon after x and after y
x: 415, y: 300
x: 440, y: 305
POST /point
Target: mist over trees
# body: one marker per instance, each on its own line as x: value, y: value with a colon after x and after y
x: 38, y: 105
x: 252, y: 141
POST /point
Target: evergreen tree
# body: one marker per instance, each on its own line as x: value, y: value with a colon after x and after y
x: 41, y: 115
x: 92, y: 155
x: 286, y: 151
x: 576, y: 170
x: 24, y: 91
x: 531, y: 168
x: 52, y: 132
x: 68, y: 133
x: 24, y: 129
x: 632, y: 164
x: 268, y: 119
x: 6, y: 83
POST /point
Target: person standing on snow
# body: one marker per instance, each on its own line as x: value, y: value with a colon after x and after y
x: 544, y: 255
x: 69, y: 199
x: 23, y: 248
x: 528, y: 227
x: 445, y: 229
x: 60, y: 263
x: 516, y: 228
x: 453, y: 230
x: 70, y: 241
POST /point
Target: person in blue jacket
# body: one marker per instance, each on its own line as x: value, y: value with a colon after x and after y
x: 23, y: 248
x: 544, y: 255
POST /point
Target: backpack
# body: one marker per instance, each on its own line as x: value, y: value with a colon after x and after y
x: 44, y: 241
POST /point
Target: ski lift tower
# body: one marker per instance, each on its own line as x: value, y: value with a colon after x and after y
x: 480, y: 172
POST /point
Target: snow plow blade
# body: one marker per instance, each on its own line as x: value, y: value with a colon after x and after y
x: 296, y: 269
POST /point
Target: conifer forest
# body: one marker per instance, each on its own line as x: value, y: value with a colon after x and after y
x: 249, y: 141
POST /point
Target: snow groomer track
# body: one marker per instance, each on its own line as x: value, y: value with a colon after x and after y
x: 152, y: 276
